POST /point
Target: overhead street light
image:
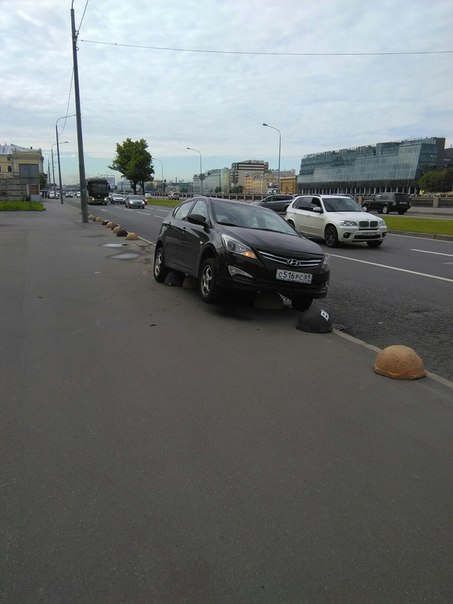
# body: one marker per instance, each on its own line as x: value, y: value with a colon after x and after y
x: 58, y: 153
x: 279, y: 152
x: 53, y: 164
x: 201, y: 175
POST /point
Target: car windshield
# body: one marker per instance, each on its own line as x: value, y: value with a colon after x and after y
x: 135, y: 197
x: 341, y: 204
x: 249, y: 217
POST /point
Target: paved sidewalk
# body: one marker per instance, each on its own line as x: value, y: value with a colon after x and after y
x: 145, y: 458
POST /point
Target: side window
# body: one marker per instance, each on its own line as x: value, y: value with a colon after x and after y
x: 315, y: 202
x: 181, y: 212
x: 200, y: 208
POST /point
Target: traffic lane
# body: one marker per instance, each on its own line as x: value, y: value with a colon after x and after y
x: 146, y: 223
x: 382, y: 306
x: 426, y: 256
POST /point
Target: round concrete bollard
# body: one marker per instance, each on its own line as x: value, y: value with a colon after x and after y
x: 400, y: 363
x: 315, y: 320
x: 116, y: 228
x: 98, y: 219
x: 132, y: 236
x: 109, y: 224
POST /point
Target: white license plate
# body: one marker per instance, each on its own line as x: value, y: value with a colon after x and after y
x: 293, y: 276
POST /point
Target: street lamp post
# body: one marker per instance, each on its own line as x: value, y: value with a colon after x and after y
x: 83, y: 184
x: 279, y: 152
x: 59, y: 168
x: 58, y: 154
x: 201, y: 176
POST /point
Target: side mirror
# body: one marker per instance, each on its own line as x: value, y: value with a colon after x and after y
x: 197, y: 219
x: 317, y: 210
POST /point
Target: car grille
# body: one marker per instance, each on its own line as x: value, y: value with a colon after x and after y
x: 289, y: 261
x: 368, y: 224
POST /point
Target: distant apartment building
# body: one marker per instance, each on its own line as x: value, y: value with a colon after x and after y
x: 389, y: 166
x: 19, y: 172
x: 243, y: 169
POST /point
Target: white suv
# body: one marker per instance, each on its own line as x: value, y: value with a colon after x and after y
x: 336, y: 219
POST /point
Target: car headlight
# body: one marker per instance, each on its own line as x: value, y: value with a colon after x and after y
x: 326, y: 262
x: 381, y: 222
x: 348, y: 223
x: 237, y: 247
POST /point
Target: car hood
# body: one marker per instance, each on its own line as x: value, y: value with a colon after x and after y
x: 351, y: 216
x: 272, y: 241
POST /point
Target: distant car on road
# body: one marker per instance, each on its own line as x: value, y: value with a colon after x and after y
x: 277, y: 202
x: 233, y: 245
x: 69, y: 194
x: 336, y: 219
x: 117, y: 198
x: 134, y: 201
x: 173, y: 195
x: 387, y: 202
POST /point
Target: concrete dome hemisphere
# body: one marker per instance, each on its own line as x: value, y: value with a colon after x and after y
x: 399, y: 362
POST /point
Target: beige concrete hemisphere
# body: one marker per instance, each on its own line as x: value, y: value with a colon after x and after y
x: 116, y: 229
x: 98, y: 219
x: 132, y: 236
x: 109, y: 225
x: 400, y: 363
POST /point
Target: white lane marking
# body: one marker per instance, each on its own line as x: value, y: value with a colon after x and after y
x: 393, y: 268
x: 428, y: 252
x: 145, y: 213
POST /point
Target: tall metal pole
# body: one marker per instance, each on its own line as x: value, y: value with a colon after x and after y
x: 201, y: 175
x: 58, y: 153
x: 82, y: 178
x: 59, y: 166
x: 279, y: 152
x: 53, y: 171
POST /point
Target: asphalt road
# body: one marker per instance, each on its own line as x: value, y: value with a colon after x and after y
x: 398, y: 294
x: 157, y: 449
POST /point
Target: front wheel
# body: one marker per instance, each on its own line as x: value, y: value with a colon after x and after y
x: 331, y: 236
x: 301, y: 303
x: 401, y: 212
x: 374, y: 243
x: 209, y: 290
x: 160, y: 271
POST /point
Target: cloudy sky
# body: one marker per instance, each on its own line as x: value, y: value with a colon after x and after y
x: 329, y: 74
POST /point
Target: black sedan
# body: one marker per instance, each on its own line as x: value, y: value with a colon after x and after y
x: 277, y: 202
x: 234, y: 245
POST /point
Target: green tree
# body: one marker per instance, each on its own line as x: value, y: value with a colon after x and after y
x: 42, y: 180
x: 437, y: 180
x: 134, y: 162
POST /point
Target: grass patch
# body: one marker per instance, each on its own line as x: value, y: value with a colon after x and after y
x: 168, y: 203
x: 428, y: 226
x: 21, y: 206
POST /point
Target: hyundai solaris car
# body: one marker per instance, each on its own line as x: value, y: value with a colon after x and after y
x: 233, y: 245
x: 336, y: 219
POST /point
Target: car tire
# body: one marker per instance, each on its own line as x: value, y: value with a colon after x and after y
x: 301, y: 303
x: 385, y: 209
x: 331, y: 236
x: 291, y: 223
x: 160, y: 271
x: 401, y: 212
x: 209, y: 290
x: 374, y: 243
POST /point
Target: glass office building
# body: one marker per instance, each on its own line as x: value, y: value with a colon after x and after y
x: 393, y: 166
